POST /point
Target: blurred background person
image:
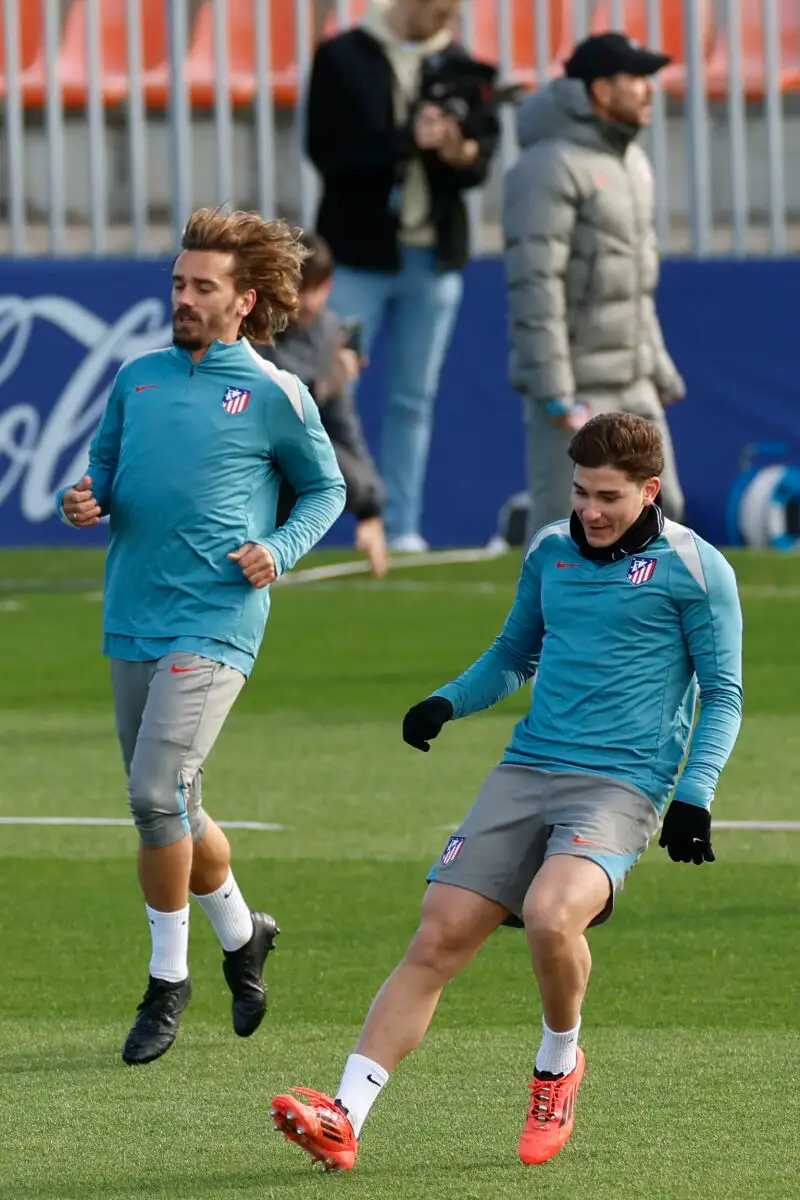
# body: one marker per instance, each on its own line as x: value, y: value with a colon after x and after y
x: 582, y: 265
x: 324, y: 353
x: 400, y: 121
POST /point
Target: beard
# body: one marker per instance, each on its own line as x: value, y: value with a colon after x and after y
x: 187, y: 341
x: 191, y: 335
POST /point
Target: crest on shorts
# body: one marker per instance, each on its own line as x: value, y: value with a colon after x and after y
x: 452, y: 850
x: 235, y: 400
x: 641, y: 569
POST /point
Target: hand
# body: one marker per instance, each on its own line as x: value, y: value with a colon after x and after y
x: 668, y: 398
x: 562, y: 421
x: 258, y: 565
x: 430, y: 127
x: 424, y: 722
x: 347, y: 365
x: 686, y: 833
x: 79, y: 505
x: 344, y: 369
x: 456, y: 150
x: 371, y: 540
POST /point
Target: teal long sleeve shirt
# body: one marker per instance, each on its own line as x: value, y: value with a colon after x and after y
x: 187, y: 463
x: 620, y: 652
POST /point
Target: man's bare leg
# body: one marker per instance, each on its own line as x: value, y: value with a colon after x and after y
x: 164, y: 874
x: 453, y: 926
x: 566, y: 895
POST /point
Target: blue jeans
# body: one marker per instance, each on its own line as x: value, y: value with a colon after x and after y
x: 419, y: 305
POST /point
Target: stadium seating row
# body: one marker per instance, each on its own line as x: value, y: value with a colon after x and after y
x: 201, y: 66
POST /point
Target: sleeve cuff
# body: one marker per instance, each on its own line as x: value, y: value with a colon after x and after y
x: 60, y: 509
x: 276, y: 557
x: 693, y: 793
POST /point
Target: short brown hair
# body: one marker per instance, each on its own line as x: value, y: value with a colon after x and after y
x: 318, y: 265
x: 267, y: 257
x: 631, y: 444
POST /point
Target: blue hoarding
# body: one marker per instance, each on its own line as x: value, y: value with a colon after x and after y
x: 65, y: 327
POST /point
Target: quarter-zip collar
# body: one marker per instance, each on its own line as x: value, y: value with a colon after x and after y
x: 216, y: 354
x: 645, y: 529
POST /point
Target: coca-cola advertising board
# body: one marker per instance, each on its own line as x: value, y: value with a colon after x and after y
x: 66, y: 327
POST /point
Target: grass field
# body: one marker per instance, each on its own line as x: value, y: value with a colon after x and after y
x: 693, y: 1081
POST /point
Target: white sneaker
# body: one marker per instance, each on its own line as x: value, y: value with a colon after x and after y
x: 409, y: 543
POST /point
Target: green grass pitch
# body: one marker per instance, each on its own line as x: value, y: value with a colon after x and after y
x: 690, y: 1027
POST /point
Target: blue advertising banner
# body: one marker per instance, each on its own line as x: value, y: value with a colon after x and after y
x: 65, y: 328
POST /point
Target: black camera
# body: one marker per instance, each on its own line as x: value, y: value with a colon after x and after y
x: 465, y: 89
x: 353, y: 334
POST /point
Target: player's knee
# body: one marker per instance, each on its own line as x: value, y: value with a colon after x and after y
x: 159, y: 817
x: 439, y: 946
x: 549, y: 923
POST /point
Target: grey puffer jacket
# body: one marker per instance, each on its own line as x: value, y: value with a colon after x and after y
x: 581, y: 256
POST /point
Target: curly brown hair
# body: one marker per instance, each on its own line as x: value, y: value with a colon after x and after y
x: 629, y: 443
x: 268, y: 257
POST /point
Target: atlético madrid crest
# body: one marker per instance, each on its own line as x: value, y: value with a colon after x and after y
x: 235, y: 400
x: 452, y: 850
x: 641, y: 569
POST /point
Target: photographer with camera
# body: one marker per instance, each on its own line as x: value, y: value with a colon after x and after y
x: 400, y: 121
x: 326, y: 354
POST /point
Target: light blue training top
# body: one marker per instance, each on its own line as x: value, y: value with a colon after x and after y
x: 619, y: 651
x: 188, y: 462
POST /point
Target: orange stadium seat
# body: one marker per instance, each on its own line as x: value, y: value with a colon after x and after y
x: 753, y: 70
x: 74, y: 68
x: 673, y: 39
x: 31, y: 54
x: 523, y: 36
x: 201, y: 66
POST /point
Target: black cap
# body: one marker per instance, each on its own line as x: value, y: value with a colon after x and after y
x: 606, y: 54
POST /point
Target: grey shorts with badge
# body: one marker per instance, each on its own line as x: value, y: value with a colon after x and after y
x: 169, y: 712
x: 523, y: 815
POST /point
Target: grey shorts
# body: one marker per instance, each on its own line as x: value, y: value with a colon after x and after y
x: 523, y: 815
x: 169, y: 712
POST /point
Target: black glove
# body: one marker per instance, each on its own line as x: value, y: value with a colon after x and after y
x: 686, y: 833
x: 424, y: 722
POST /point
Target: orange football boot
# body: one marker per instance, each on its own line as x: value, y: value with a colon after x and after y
x: 551, y: 1115
x: 321, y: 1128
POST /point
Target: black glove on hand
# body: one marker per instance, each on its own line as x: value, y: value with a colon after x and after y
x: 686, y: 833
x: 424, y: 722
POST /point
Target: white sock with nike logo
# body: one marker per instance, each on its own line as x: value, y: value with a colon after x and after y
x: 169, y: 933
x: 558, y: 1053
x: 228, y: 913
x: 362, y: 1083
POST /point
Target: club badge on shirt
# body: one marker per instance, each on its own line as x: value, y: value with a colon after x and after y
x: 641, y: 569
x: 235, y: 400
x: 452, y: 850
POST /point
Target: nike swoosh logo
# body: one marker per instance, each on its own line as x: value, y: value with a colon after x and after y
x: 377, y: 1082
x: 182, y: 670
x: 565, y: 564
x: 579, y: 841
x: 142, y: 387
x: 225, y: 895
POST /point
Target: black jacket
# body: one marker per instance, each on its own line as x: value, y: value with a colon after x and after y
x: 307, y: 351
x: 358, y: 150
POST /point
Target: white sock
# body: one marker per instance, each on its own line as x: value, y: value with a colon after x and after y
x: 228, y: 913
x: 170, y: 934
x: 558, y: 1053
x: 362, y: 1083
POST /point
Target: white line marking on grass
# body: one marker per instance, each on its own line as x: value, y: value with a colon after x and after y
x: 758, y: 826
x: 413, y: 586
x: 768, y: 591
x: 262, y: 826
x: 435, y: 558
